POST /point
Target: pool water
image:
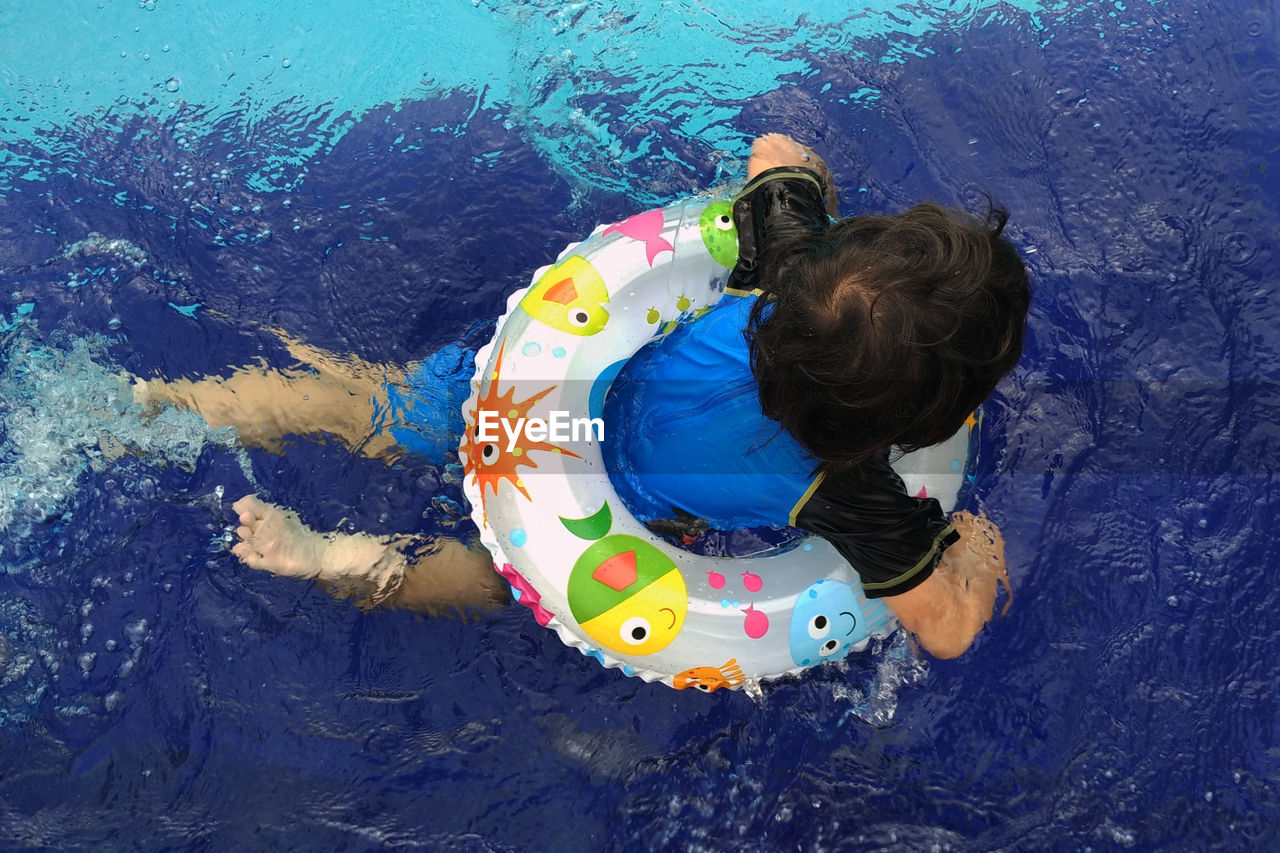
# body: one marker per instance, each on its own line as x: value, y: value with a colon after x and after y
x: 178, y: 179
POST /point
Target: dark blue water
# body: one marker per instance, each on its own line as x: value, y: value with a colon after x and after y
x: 156, y: 694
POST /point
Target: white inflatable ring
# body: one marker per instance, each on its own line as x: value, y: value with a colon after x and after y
x: 558, y: 531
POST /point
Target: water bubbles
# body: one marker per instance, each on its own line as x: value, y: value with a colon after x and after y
x: 1172, y: 601
x: 1240, y: 247
x: 112, y: 700
x: 86, y: 662
x: 1263, y: 85
x: 111, y: 645
x: 114, y: 323
x: 172, y: 84
x: 286, y: 63
x: 1124, y: 837
x: 136, y: 632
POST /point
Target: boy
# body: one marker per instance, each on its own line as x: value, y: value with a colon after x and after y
x: 845, y: 340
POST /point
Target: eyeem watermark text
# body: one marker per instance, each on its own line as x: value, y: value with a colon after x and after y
x: 561, y: 426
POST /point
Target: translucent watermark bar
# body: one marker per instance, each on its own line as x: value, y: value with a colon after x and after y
x: 1115, y: 426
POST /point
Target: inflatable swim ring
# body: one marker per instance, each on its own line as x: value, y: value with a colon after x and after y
x: 558, y: 531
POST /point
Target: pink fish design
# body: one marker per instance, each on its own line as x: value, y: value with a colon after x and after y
x: 528, y: 596
x: 756, y: 625
x: 646, y: 227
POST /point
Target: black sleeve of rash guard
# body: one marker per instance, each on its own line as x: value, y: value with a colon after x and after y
x: 891, y: 539
x: 780, y: 205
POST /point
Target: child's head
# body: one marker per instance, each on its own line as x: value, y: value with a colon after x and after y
x: 887, y: 330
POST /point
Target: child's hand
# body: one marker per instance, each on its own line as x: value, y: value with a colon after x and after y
x: 978, y: 560
x: 777, y: 149
x: 950, y: 607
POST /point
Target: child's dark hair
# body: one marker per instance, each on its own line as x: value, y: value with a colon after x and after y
x: 887, y: 330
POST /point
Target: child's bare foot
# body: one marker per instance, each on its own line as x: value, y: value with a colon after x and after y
x: 434, y: 576
x: 149, y: 394
x: 349, y: 565
x: 275, y: 540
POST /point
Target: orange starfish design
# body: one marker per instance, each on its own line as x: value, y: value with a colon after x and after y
x: 489, y: 461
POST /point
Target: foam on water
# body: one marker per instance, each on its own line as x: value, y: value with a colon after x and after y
x: 63, y: 413
x: 66, y: 416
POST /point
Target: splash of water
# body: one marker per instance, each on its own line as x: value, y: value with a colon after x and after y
x: 875, y: 703
x: 65, y: 413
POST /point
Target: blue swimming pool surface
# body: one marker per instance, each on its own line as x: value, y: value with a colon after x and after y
x: 180, y: 178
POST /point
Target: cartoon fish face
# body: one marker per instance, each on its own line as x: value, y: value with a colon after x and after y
x: 627, y: 595
x: 709, y: 679
x: 484, y: 458
x: 569, y: 297
x: 719, y: 234
x: 825, y: 623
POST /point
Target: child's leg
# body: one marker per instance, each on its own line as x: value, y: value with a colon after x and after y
x: 434, y: 576
x: 338, y: 397
x: 266, y: 405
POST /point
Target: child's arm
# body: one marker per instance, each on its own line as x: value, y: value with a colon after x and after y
x: 776, y: 150
x: 948, y: 609
x: 937, y: 575
x: 781, y: 204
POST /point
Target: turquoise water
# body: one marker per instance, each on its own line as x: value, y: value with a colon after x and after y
x: 323, y: 66
x: 375, y: 180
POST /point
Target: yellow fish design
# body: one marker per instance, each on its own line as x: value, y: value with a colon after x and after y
x: 569, y: 297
